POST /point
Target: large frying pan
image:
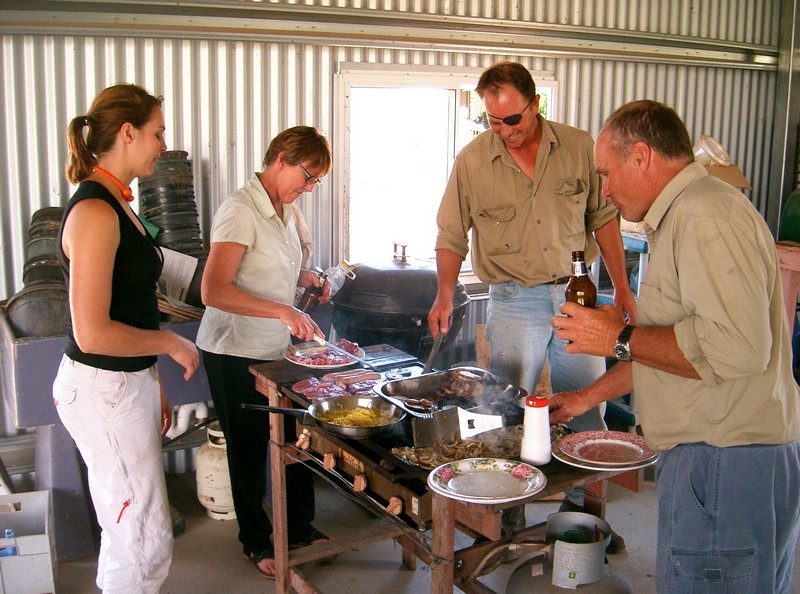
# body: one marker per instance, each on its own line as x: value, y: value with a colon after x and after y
x: 311, y: 416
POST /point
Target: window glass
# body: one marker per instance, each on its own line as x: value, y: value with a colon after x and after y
x: 399, y: 132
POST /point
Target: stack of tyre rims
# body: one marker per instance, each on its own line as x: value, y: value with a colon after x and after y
x: 166, y: 200
x: 41, y: 307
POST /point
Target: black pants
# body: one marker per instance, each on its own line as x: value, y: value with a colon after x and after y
x: 247, y: 439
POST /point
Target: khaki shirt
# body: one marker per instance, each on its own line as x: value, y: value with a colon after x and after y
x: 714, y: 276
x: 269, y: 269
x: 524, y: 231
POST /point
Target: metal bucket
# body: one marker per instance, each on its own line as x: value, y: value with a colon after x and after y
x: 576, y: 559
x: 579, y: 548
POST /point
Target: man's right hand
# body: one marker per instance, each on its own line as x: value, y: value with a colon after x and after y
x: 565, y: 406
x: 441, y: 316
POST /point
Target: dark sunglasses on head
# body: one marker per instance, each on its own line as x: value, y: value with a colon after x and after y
x: 515, y: 119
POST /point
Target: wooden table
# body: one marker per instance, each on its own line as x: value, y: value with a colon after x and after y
x: 449, y: 567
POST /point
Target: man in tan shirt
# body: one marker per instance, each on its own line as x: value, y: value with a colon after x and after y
x: 710, y: 360
x: 527, y: 191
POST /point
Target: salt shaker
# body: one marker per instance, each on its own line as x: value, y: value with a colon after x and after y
x: 536, y: 434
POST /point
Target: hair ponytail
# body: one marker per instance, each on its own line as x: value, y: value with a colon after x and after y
x: 80, y: 159
x: 113, y: 107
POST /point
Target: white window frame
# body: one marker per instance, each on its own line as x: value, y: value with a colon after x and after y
x: 351, y: 75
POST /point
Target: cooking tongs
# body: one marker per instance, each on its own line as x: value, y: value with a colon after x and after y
x: 434, y: 351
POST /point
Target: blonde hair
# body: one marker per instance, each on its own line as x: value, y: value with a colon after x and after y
x: 113, y: 107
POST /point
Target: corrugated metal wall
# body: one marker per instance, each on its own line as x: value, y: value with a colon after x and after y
x: 228, y: 93
x: 224, y: 101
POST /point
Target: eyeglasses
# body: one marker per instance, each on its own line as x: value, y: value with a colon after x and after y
x: 515, y: 119
x: 310, y: 179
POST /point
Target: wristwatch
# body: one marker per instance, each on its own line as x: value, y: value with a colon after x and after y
x: 622, y: 350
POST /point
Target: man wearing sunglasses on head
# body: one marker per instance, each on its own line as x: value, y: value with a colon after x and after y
x: 527, y: 190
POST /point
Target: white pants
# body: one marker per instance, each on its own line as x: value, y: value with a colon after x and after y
x: 115, y: 419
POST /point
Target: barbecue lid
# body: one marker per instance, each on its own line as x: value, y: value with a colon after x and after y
x: 394, y: 287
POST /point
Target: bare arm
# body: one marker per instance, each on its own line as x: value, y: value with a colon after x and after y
x: 90, y: 239
x: 595, y: 332
x: 610, y: 241
x: 616, y: 382
x: 218, y: 290
x: 448, y: 266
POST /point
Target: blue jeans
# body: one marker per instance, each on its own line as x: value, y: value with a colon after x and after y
x: 518, y: 328
x: 521, y: 338
x: 728, y: 518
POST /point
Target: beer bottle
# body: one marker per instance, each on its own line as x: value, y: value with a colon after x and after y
x: 580, y: 289
x: 311, y: 296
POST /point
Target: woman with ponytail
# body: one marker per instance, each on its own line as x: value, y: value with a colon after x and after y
x: 107, y: 391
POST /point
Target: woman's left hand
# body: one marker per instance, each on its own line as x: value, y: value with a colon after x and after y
x: 309, y: 278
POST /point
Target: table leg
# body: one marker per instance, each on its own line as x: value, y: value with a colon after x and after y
x: 595, y: 496
x: 443, y: 544
x: 278, y: 478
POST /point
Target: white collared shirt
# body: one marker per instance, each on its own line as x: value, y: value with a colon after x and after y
x: 269, y: 269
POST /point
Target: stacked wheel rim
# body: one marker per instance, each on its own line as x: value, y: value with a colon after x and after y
x: 41, y: 308
x: 167, y: 201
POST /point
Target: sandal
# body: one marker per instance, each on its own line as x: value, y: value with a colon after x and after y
x: 316, y: 537
x: 256, y: 558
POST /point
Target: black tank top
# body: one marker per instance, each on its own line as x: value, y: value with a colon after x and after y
x: 137, y: 267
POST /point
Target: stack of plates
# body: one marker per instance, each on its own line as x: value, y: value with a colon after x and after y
x: 604, y: 450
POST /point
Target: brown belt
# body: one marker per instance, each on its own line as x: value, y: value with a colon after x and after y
x: 559, y: 281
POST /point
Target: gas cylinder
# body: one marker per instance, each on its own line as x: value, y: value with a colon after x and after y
x: 213, y: 479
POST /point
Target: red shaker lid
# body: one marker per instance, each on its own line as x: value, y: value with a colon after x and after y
x: 536, y: 401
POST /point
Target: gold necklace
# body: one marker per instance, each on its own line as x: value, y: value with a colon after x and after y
x: 126, y: 192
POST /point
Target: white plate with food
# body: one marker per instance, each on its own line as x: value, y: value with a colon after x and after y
x: 562, y: 457
x: 311, y: 354
x: 606, y: 448
x: 486, y: 480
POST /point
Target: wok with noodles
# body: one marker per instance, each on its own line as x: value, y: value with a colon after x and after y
x: 356, y: 417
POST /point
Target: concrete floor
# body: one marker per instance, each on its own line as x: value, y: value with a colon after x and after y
x: 208, y: 558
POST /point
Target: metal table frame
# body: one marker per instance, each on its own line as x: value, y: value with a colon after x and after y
x: 449, y: 567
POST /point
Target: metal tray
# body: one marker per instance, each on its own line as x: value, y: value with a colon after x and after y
x: 491, y: 393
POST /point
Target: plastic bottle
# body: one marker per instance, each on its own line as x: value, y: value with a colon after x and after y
x: 536, y: 431
x: 580, y: 289
x: 337, y: 275
x: 9, y: 551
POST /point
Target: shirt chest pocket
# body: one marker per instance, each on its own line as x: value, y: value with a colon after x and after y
x: 571, y: 196
x: 498, y: 230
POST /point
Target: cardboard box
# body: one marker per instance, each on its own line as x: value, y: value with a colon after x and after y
x: 32, y: 569
x: 730, y: 174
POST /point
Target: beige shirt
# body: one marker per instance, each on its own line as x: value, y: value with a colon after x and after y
x: 714, y: 275
x: 524, y: 231
x: 269, y: 269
